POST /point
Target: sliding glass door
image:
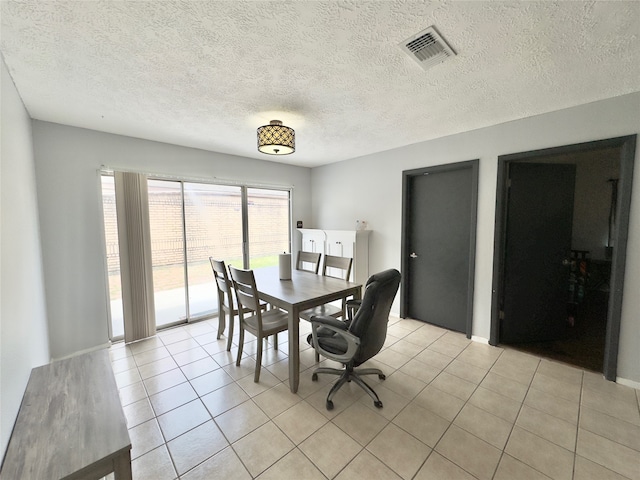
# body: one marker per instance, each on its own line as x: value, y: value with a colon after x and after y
x: 188, y: 223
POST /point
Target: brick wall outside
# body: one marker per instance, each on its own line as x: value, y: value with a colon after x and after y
x: 214, y: 227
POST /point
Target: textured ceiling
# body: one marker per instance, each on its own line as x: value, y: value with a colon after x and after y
x: 207, y: 74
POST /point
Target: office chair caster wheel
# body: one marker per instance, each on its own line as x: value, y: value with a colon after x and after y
x: 382, y: 377
x: 378, y: 404
x: 314, y: 377
x: 329, y: 405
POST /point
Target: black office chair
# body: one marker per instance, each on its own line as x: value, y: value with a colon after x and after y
x: 354, y: 342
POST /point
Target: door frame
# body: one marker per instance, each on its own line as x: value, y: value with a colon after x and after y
x: 407, y: 175
x: 627, y: 145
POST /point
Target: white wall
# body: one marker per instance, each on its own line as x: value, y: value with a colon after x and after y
x: 23, y: 323
x: 370, y: 188
x: 67, y: 162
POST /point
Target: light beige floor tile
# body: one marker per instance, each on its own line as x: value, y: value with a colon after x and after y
x: 401, y: 452
x: 366, y: 467
x: 182, y: 419
x: 404, y: 384
x: 540, y: 454
x: 407, y: 348
x: 622, y: 408
x: 596, y: 382
x: 433, y: 358
x: 172, y: 398
x: 224, y: 464
x: 505, y: 386
x: 345, y: 397
x: 512, y: 469
x: 123, y: 364
x: 292, y: 465
x: 611, y: 455
x: 560, y: 371
x: 496, y: 404
x: 262, y: 448
x: 587, y: 470
x: 224, y: 399
x: 558, y: 388
x: 453, y: 385
x: 276, y: 400
x: 151, y: 355
x: 488, y: 427
x: 609, y: 427
x: 154, y: 465
x: 442, y: 345
x: 480, y: 355
x: 127, y: 377
x: 515, y: 368
x: 423, y: 337
x: 224, y: 358
x: 469, y: 452
x: 300, y: 421
x: 190, y: 356
x: 420, y: 370
x: 267, y: 381
x: 392, y: 403
x: 182, y: 345
x: 164, y: 381
x: 467, y: 372
x: 241, y: 420
x: 439, y: 468
x: 360, y: 423
x: 422, y: 424
x: 144, y: 438
x: 118, y: 351
x: 157, y: 367
x: 392, y: 358
x: 330, y: 449
x: 195, y: 446
x: 173, y: 335
x: 145, y: 345
x: 132, y: 393
x: 552, y: 405
x: 211, y: 381
x: 548, y: 427
x: 138, y: 412
x: 439, y: 402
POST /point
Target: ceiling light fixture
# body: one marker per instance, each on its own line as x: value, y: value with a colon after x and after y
x: 276, y: 139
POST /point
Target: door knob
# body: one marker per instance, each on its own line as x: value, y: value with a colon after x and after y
x: 413, y: 255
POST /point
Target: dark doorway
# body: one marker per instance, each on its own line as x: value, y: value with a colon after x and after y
x: 558, y: 258
x: 438, y: 254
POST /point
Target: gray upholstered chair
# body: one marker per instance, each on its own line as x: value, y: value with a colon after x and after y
x: 353, y: 343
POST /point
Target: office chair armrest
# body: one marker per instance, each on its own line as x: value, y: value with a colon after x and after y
x: 332, y: 321
x: 339, y: 328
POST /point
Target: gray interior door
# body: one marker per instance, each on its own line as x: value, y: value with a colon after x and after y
x: 440, y: 222
x: 538, y: 241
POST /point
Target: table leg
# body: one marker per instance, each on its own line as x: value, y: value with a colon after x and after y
x: 294, y: 349
x: 122, y: 466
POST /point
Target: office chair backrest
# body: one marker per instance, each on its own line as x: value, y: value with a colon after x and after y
x: 305, y: 258
x: 370, y: 321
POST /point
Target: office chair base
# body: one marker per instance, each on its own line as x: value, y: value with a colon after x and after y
x: 347, y: 375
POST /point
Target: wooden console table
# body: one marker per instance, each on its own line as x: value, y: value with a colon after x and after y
x: 70, y: 424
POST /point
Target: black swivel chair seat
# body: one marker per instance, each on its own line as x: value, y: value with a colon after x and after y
x: 354, y: 342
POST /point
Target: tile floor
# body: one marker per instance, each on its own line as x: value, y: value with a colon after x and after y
x: 453, y: 409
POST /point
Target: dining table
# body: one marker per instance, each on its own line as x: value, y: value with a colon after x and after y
x: 304, y: 290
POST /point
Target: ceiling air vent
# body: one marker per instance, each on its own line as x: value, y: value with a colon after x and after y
x: 428, y: 48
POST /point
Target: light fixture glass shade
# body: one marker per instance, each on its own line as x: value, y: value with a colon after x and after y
x: 276, y: 139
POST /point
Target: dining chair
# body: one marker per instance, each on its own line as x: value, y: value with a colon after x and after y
x: 259, y: 322
x: 227, y: 306
x: 353, y: 343
x: 336, y: 267
x: 308, y: 261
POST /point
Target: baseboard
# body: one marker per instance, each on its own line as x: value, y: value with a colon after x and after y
x: 628, y: 383
x: 87, y: 350
x: 482, y: 340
